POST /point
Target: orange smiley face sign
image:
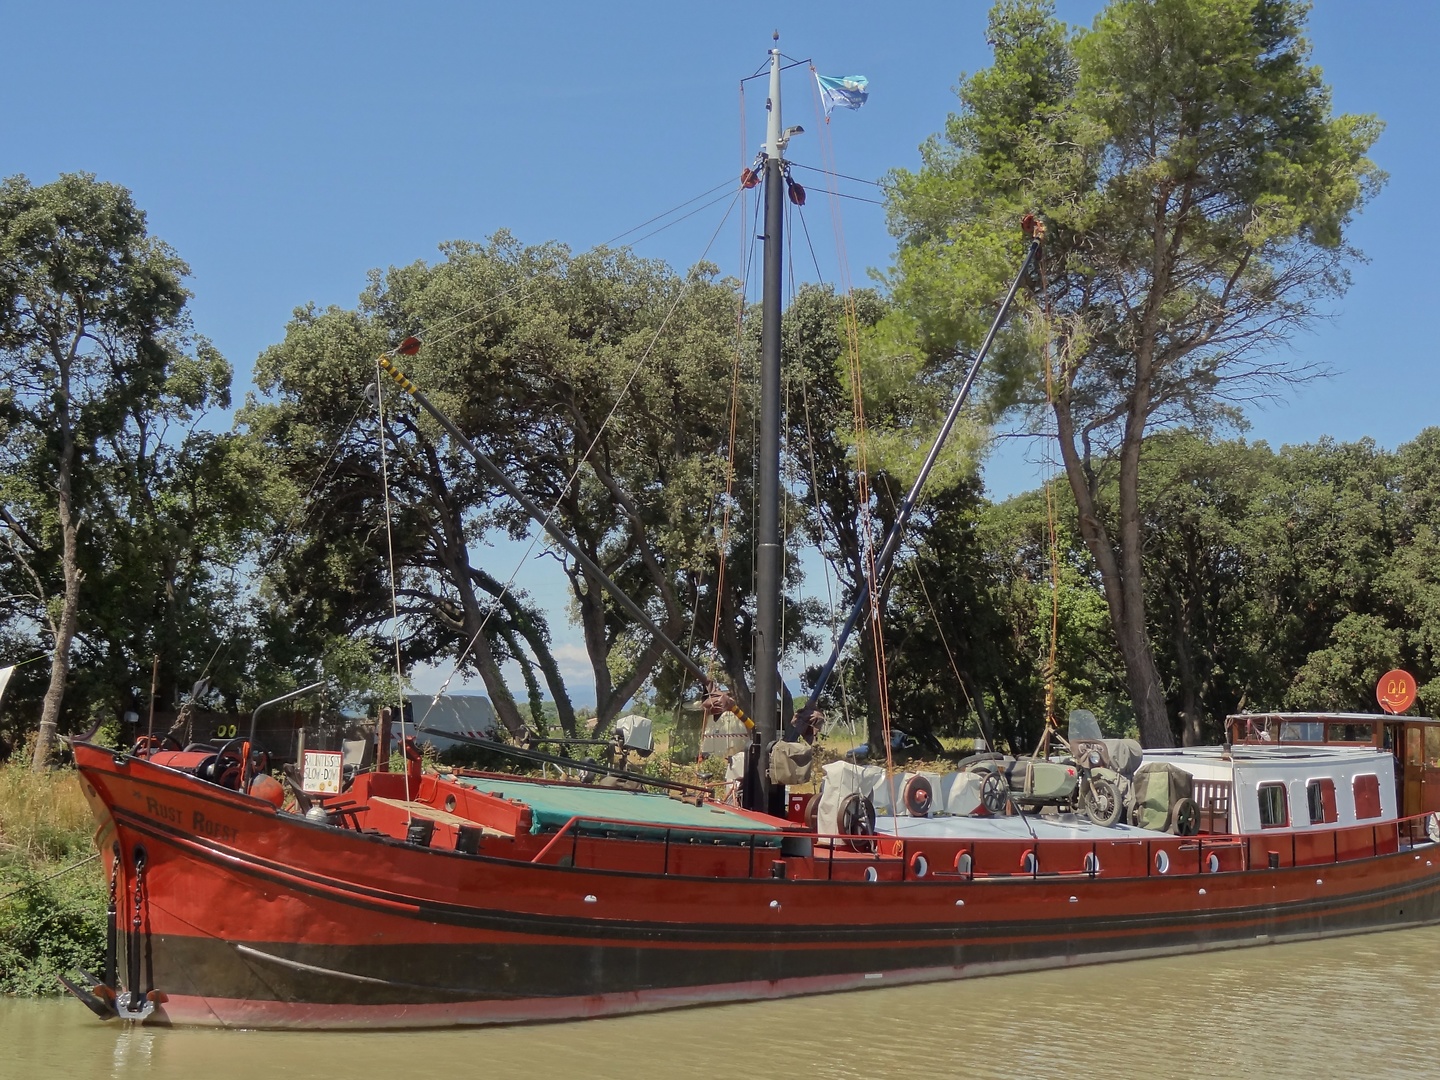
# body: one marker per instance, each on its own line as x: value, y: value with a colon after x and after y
x: 1395, y: 691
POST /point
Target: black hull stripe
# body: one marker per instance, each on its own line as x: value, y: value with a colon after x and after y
x: 436, y: 974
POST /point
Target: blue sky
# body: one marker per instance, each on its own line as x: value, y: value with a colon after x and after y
x: 284, y: 149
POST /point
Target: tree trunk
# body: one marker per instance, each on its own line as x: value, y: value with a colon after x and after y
x: 532, y: 632
x: 70, y: 606
x: 1192, y: 730
x: 500, y: 696
x: 1120, y: 577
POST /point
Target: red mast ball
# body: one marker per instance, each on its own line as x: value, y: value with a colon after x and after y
x: 409, y: 347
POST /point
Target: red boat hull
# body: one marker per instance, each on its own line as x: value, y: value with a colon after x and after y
x: 253, y: 918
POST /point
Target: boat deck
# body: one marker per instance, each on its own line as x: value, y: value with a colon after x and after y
x: 1029, y: 827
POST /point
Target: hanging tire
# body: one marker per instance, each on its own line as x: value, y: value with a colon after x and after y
x: 1184, y: 818
x: 994, y: 793
x: 1100, y: 800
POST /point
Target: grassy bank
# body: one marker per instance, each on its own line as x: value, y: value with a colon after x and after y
x: 49, y: 921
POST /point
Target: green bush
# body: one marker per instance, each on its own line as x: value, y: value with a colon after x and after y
x: 49, y: 927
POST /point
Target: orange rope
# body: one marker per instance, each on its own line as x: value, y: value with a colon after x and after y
x: 862, y: 473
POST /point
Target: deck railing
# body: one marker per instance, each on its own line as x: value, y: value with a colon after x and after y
x: 896, y: 858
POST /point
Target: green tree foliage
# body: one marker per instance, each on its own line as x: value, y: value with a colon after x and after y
x: 1197, y: 189
x: 599, y: 382
x: 1273, y: 580
x: 114, y: 503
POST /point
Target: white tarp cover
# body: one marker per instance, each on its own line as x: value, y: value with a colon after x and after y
x: 635, y: 730
x: 844, y: 778
x: 463, y: 714
x: 951, y: 793
x: 724, y: 736
x: 959, y: 793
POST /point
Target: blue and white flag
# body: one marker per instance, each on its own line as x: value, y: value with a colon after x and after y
x: 847, y: 91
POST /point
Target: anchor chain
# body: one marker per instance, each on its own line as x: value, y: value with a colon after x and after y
x: 112, y: 917
x: 135, y: 1003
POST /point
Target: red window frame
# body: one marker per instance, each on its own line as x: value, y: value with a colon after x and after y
x: 1366, y: 787
x: 1328, y: 811
x: 1260, y: 790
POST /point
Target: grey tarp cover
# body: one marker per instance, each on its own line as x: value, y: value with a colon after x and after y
x: 1125, y: 755
x: 791, y: 762
x: 1158, y: 787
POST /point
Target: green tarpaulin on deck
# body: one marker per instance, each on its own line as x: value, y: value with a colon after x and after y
x: 638, y: 813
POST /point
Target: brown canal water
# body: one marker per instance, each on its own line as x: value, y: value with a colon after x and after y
x: 1362, y: 1006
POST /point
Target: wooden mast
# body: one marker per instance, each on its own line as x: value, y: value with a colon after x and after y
x: 766, y: 704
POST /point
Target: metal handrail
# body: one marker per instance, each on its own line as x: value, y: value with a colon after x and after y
x: 1199, y: 844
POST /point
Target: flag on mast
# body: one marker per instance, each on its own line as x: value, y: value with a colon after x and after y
x: 847, y: 91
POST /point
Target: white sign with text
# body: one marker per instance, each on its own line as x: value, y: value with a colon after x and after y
x: 322, y: 772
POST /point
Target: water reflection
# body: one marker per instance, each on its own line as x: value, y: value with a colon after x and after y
x: 1346, y: 1007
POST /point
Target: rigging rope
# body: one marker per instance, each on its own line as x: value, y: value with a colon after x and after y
x: 836, y: 175
x: 862, y: 485
x: 747, y: 254
x: 394, y: 602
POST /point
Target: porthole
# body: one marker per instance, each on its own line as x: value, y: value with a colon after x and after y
x: 1162, y: 862
x: 919, y: 865
x: 1092, y: 863
x: 449, y: 804
x: 1028, y: 863
x: 871, y: 874
x: 964, y: 864
x: 1212, y: 863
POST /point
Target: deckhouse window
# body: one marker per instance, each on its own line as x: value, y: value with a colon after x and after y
x: 1367, y: 795
x: 1321, y: 796
x: 1274, y: 807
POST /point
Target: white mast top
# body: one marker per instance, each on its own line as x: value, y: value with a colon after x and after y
x: 774, y: 141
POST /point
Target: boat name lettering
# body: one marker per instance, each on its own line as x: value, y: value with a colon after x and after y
x: 155, y: 808
x: 214, y: 829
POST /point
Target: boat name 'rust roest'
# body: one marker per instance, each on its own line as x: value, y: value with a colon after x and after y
x: 199, y: 823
